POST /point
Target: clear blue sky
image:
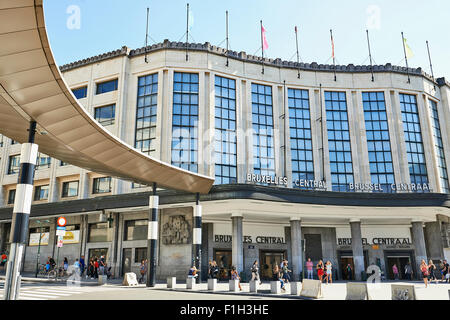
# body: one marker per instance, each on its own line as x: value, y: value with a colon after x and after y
x: 107, y: 25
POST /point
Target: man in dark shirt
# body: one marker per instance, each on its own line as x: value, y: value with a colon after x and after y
x: 446, y: 271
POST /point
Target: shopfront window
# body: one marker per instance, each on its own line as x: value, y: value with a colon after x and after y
x: 300, y: 135
x: 223, y: 260
x: 135, y: 230
x: 225, y: 130
x: 262, y: 119
x: 99, y: 232
x: 339, y: 145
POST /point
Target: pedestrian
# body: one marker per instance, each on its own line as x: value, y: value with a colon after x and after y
x: 65, y: 264
x: 4, y: 259
x: 91, y: 267
x: 210, y: 266
x: 329, y: 276
x: 255, y: 272
x: 102, y: 265
x: 285, y: 270
x: 446, y: 271
x: 431, y: 271
x: 320, y: 269
x: 408, y: 271
x: 309, y: 268
x: 235, y: 276
x: 349, y: 272
x: 143, y: 271
x: 193, y: 272
x: 424, y: 270
x: 96, y: 265
x: 215, y: 269
x: 395, y: 271
x: 277, y: 277
x: 82, y: 265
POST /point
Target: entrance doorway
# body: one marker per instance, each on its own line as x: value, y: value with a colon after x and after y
x: 345, y: 261
x: 268, y: 260
x: 400, y: 262
x: 223, y: 260
x: 126, y: 260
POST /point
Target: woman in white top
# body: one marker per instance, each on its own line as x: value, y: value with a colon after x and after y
x: 328, y: 268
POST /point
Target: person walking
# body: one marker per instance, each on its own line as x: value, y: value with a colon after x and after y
x: 309, y: 269
x: 255, y: 272
x: 320, y: 270
x: 82, y: 265
x: 193, y: 272
x: 431, y: 271
x: 102, y: 265
x: 3, y: 260
x: 329, y: 268
x: 210, y: 266
x: 446, y: 271
x: 395, y: 271
x: 349, y: 272
x: 96, y: 266
x: 215, y: 270
x: 65, y: 264
x: 425, y: 273
x: 285, y: 270
x: 408, y: 271
x: 277, y: 277
x: 143, y: 271
x: 76, y: 266
x: 235, y: 276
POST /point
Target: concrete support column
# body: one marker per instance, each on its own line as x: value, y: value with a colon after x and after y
x: 434, y: 242
x: 296, y: 248
x: 418, y: 238
x: 357, y: 248
x: 237, y: 254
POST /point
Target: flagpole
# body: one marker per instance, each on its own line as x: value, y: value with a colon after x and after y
x: 262, y: 48
x: 227, y: 38
x: 298, y: 57
x: 370, y: 55
x: 334, y: 58
x: 406, y: 58
x: 187, y: 31
x: 146, y: 36
x: 429, y: 58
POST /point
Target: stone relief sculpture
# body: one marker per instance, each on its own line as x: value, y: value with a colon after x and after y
x: 176, y: 230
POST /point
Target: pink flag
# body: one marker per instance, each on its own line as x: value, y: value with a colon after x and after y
x: 265, y: 43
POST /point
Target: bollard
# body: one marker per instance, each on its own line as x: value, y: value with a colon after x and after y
x: 212, y: 284
x: 295, y: 288
x: 102, y: 279
x: 275, y: 287
x: 234, y: 285
x: 190, y: 283
x: 171, y: 282
x: 253, y: 286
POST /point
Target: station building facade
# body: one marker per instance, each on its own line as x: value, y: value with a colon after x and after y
x: 310, y: 161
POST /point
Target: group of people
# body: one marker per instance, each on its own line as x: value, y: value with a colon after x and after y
x: 429, y: 271
x: 281, y: 273
x: 408, y: 272
x: 322, y: 269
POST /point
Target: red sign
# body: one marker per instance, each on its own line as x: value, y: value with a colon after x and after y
x: 61, y: 221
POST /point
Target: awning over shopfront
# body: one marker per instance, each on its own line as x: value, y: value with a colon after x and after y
x: 32, y: 88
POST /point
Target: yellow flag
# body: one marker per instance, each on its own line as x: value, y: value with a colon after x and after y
x: 409, y: 52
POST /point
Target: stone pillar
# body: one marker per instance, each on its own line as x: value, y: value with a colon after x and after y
x: 418, y: 238
x: 433, y: 240
x: 296, y: 248
x: 357, y: 248
x: 237, y: 241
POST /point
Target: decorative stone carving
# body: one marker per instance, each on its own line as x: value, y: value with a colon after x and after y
x: 176, y: 231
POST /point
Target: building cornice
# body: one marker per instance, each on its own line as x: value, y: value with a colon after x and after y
x: 244, y: 57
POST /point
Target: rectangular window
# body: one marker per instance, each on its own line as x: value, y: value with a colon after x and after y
x: 147, y: 102
x: 101, y: 185
x: 63, y: 164
x: 80, y: 93
x: 11, y: 196
x: 185, y: 121
x: 13, y: 142
x: 43, y: 162
x: 378, y: 140
x: 439, y: 147
x: 14, y: 164
x: 107, y: 86
x: 413, y: 139
x: 135, y: 230
x: 341, y: 166
x: 41, y: 193
x: 70, y: 189
x: 225, y: 131
x: 99, y: 232
x: 262, y: 119
x: 140, y: 254
x: 105, y: 115
x: 300, y: 135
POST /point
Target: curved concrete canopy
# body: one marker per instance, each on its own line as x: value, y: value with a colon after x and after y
x: 32, y: 87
